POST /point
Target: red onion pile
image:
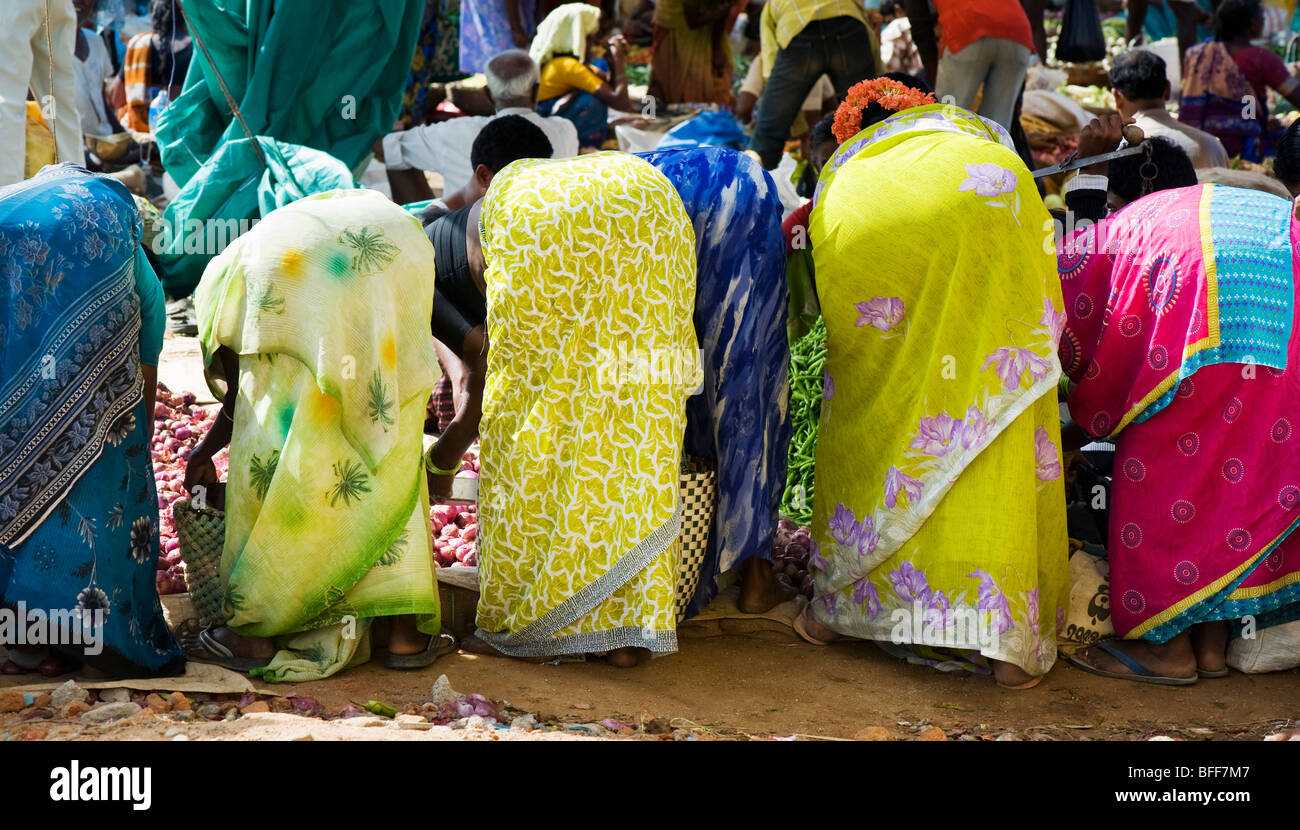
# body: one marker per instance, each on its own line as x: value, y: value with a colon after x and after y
x: 179, y: 425
x: 455, y: 527
x: 790, y: 551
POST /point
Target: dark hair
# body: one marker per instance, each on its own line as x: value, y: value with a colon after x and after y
x: 1173, y: 169
x: 1234, y: 19
x: 1139, y: 74
x: 506, y: 139
x: 160, y: 14
x: 892, y: 7
x: 822, y: 132
x: 1287, y: 164
x: 876, y: 113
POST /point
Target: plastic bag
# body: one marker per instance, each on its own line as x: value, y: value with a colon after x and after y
x: 1089, y: 619
x: 1271, y: 649
x: 1081, y: 39
x: 709, y: 128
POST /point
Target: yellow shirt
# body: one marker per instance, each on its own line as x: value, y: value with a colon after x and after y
x: 783, y: 19
x: 560, y: 75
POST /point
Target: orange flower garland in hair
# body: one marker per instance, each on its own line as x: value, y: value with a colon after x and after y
x: 892, y: 95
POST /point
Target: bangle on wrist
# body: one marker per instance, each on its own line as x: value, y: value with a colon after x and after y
x: 435, y: 469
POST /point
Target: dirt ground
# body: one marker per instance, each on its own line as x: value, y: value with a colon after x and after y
x: 761, y: 686
x: 735, y: 679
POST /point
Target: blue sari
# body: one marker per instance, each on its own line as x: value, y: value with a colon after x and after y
x: 78, y: 507
x: 741, y: 418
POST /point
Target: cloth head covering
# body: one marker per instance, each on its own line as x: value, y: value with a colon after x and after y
x: 335, y: 280
x: 565, y: 32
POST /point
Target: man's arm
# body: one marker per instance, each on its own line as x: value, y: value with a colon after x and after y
x: 446, y: 453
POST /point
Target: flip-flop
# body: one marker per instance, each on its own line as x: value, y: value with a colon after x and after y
x: 223, y: 656
x: 1209, y: 674
x: 801, y: 628
x: 438, y: 646
x: 1140, y: 673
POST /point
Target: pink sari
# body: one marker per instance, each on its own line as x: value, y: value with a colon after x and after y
x: 1181, y: 342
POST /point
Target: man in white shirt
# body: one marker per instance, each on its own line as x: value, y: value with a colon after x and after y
x: 93, y: 66
x: 512, y: 81
x: 37, y: 47
x: 1141, y: 88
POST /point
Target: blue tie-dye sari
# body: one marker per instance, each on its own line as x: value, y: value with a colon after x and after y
x: 740, y: 418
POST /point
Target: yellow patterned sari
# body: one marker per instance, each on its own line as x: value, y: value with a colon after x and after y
x: 590, y: 292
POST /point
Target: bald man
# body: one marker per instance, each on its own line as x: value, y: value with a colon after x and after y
x: 512, y: 81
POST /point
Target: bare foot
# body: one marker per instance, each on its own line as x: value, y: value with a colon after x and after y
x: 628, y: 657
x: 1210, y: 645
x: 1011, y: 676
x: 759, y: 590
x: 91, y: 673
x: 476, y: 645
x: 1172, y: 659
x: 404, y: 638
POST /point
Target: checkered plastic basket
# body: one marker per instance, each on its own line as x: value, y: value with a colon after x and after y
x: 698, y: 486
x: 202, y: 533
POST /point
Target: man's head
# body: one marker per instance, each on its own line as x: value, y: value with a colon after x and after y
x: 85, y: 11
x: 512, y: 80
x: 164, y: 15
x: 1237, y: 20
x: 1138, y: 79
x: 503, y: 140
x: 822, y: 143
x: 1164, y: 167
x: 1286, y: 166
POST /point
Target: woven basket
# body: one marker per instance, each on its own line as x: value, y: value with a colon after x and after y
x: 202, y: 533
x: 698, y: 487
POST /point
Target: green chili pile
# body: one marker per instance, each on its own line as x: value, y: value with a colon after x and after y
x: 807, y: 363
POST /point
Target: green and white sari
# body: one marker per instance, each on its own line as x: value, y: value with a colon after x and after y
x: 327, y: 303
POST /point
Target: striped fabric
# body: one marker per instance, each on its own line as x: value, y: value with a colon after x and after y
x: 135, y: 71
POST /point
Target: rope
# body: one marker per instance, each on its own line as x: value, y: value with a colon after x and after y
x: 221, y: 82
x: 49, y: 59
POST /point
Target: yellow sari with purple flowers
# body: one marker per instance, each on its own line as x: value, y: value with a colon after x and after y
x: 939, y: 519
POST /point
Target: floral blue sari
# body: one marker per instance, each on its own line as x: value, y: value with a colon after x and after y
x: 78, y: 507
x: 740, y: 418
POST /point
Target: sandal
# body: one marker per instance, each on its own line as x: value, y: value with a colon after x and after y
x: 801, y: 628
x: 220, y: 655
x: 1139, y: 672
x: 438, y: 646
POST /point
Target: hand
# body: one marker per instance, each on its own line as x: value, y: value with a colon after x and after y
x: 617, y: 50
x: 1102, y: 135
x: 378, y: 149
x: 522, y: 41
x: 200, y: 471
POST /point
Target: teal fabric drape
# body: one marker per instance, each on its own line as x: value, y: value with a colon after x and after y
x: 313, y: 79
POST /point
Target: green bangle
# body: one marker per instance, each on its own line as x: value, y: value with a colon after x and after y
x: 435, y: 469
